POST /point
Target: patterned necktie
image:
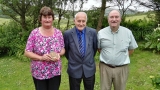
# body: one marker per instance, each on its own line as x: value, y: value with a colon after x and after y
x: 81, y: 46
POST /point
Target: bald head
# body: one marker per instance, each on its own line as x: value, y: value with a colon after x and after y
x: 113, y: 11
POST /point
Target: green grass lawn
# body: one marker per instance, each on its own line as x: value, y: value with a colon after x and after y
x: 15, y: 74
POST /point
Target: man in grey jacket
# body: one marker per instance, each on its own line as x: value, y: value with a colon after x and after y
x: 81, y: 46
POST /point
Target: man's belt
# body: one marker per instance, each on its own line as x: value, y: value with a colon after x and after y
x: 113, y: 66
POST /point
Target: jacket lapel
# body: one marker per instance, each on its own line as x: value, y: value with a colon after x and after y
x: 87, y: 35
x: 74, y: 36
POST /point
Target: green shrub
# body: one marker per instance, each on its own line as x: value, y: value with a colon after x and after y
x: 12, y: 39
x: 155, y: 81
x: 140, y: 27
x: 152, y: 41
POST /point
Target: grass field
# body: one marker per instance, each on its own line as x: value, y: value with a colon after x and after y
x: 4, y: 20
x: 137, y: 17
x: 15, y: 74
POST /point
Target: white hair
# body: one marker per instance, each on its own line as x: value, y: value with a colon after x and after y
x: 80, y: 12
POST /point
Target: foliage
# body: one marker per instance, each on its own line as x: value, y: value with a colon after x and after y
x: 139, y: 27
x: 155, y: 81
x: 153, y: 40
x: 93, y: 17
x: 157, y: 17
x: 12, y: 39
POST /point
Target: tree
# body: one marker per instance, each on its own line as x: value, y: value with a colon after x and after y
x: 103, y: 8
x: 23, y: 10
x: 123, y: 6
x: 66, y: 8
x: 17, y: 10
x: 152, y: 4
x: 61, y: 9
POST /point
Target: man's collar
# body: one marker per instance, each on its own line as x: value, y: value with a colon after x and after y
x: 116, y: 31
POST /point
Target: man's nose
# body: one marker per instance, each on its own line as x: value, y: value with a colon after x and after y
x: 114, y: 18
x: 81, y: 22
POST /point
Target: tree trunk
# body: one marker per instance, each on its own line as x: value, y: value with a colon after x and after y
x: 23, y: 23
x: 103, y: 7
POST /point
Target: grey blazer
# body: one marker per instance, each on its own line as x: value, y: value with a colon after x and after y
x: 76, y: 64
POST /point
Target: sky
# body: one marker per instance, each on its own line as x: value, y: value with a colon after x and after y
x: 97, y: 3
x: 91, y: 3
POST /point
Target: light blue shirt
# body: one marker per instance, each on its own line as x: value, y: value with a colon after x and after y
x: 115, y: 45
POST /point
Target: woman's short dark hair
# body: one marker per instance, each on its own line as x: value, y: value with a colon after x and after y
x: 45, y: 11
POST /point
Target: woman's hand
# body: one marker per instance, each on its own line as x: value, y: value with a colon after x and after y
x: 56, y: 58
x: 46, y: 57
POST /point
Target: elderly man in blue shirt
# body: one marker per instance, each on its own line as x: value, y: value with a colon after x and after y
x: 115, y: 44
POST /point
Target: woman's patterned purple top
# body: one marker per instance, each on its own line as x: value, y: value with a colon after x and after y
x: 42, y: 45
